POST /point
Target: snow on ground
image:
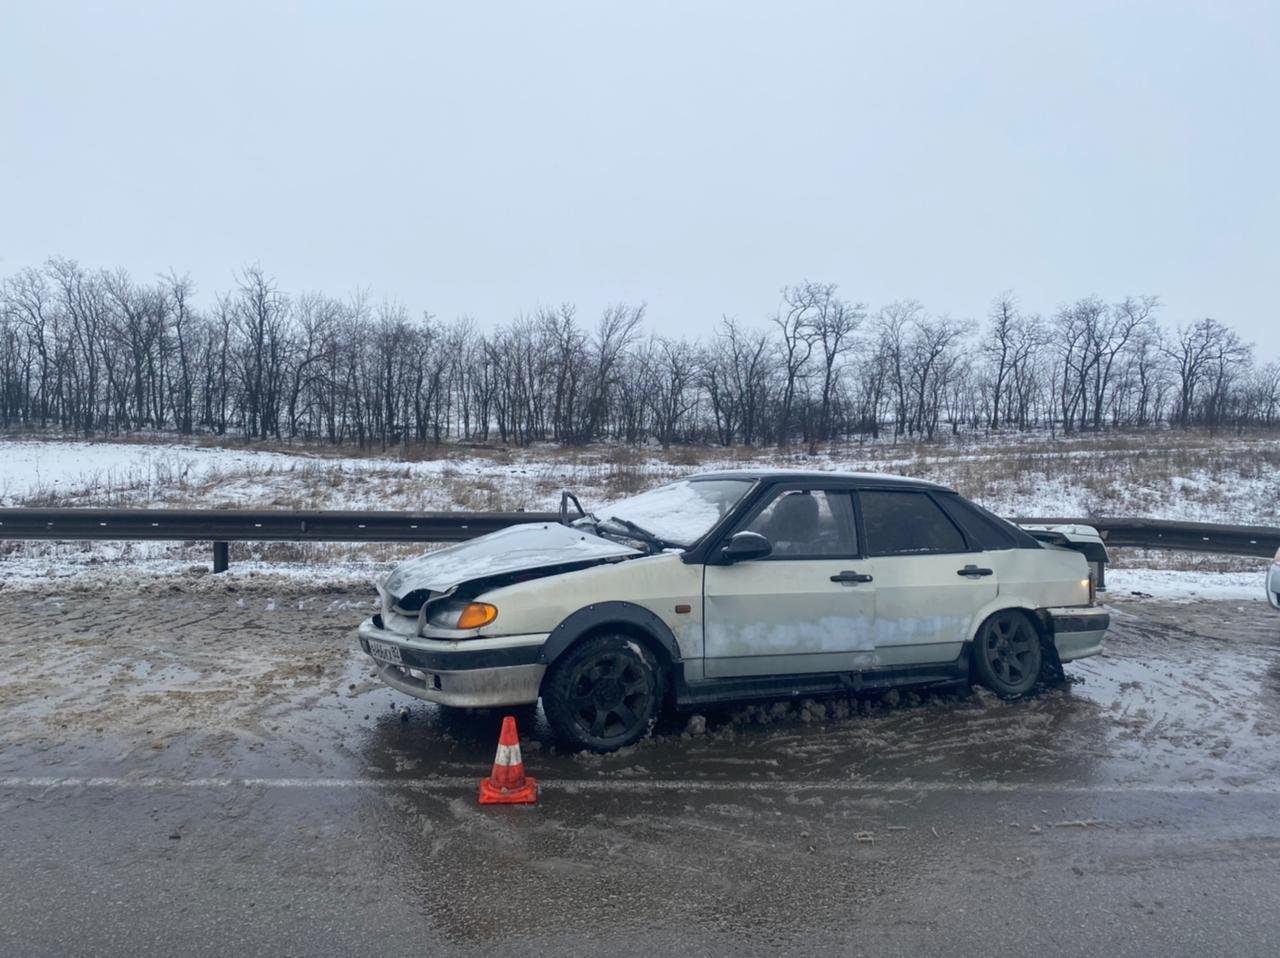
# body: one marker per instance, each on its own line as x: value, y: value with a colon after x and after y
x: 86, y: 571
x: 1183, y: 586
x: 35, y: 469
x: 115, y: 566
x: 1159, y: 475
x: 144, y: 576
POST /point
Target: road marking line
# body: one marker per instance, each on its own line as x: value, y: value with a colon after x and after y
x: 446, y: 782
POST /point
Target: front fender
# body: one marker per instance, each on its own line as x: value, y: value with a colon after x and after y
x: 600, y: 615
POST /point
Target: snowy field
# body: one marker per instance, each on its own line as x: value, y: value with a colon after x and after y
x: 1159, y: 476
x: 1166, y: 475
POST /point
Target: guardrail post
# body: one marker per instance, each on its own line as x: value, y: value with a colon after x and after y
x: 221, y: 557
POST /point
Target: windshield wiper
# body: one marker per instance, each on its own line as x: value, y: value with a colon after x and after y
x: 633, y: 531
x: 583, y: 516
x: 642, y: 534
x: 565, y: 498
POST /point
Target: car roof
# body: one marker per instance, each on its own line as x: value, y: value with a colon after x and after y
x: 879, y: 479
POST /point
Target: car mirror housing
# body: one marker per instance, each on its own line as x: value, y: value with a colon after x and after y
x: 745, y: 545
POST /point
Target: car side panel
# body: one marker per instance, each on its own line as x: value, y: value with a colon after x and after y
x: 1041, y: 577
x: 924, y: 609
x: 658, y: 583
x: 915, y: 632
x: 787, y: 617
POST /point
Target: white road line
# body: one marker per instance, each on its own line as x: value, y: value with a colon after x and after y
x: 623, y: 786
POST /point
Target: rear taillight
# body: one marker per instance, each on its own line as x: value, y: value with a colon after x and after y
x: 1093, y: 586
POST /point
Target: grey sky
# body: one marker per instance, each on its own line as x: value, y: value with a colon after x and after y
x: 488, y: 157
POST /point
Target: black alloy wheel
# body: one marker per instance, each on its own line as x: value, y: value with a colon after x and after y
x: 1007, y: 654
x: 604, y: 693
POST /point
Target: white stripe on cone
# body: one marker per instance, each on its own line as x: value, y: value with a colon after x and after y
x: 508, y: 755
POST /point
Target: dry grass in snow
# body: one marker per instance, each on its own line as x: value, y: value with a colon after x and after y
x: 1160, y: 475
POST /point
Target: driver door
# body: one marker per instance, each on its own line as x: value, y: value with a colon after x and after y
x: 809, y: 606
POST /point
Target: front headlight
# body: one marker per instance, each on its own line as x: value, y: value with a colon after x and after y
x: 461, y: 616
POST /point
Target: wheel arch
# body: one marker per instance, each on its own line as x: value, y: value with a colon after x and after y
x: 1036, y: 616
x: 1014, y: 604
x: 1009, y: 603
x: 626, y: 617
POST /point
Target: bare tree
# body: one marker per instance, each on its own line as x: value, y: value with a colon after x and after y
x: 834, y: 328
x: 1198, y: 351
x: 796, y: 325
x: 1002, y: 334
x: 672, y: 397
x: 893, y: 330
x: 91, y: 351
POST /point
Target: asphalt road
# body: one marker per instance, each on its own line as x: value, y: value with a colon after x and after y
x: 208, y: 769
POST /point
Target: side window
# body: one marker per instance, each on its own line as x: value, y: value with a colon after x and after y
x: 906, y: 523
x: 982, y: 528
x: 808, y: 524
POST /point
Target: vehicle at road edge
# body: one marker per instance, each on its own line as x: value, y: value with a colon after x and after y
x: 733, y: 586
x: 1273, y: 582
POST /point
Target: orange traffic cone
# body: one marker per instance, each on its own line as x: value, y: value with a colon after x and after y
x: 508, y: 784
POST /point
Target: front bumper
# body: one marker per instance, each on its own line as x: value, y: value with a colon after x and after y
x: 473, y: 673
x: 1078, y: 631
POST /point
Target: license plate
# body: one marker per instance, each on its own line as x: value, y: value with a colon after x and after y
x: 385, y: 652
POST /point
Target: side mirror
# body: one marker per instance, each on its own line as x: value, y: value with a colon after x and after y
x: 745, y: 545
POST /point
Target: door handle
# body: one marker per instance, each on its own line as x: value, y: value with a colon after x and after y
x: 973, y: 570
x: 849, y: 576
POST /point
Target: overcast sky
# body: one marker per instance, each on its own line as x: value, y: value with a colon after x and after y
x: 485, y: 158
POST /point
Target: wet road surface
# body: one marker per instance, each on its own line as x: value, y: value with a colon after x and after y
x: 211, y: 769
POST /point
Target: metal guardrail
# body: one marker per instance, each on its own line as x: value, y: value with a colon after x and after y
x: 1262, y: 541
x: 222, y: 526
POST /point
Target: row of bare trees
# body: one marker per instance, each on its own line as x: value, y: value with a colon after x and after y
x: 96, y: 352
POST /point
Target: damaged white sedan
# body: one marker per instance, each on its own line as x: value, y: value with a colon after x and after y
x: 733, y: 586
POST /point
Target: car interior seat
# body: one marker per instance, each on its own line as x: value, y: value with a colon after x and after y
x: 793, y: 526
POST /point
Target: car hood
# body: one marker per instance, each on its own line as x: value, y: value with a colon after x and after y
x: 536, y: 545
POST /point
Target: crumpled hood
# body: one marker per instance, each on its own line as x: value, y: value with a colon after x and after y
x: 532, y: 546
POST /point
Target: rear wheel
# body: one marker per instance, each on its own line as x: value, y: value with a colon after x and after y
x: 1007, y: 655
x: 604, y: 693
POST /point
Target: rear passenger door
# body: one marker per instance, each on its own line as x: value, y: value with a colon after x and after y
x: 929, y: 584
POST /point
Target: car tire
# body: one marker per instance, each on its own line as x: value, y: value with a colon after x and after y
x: 1007, y: 656
x: 603, y: 693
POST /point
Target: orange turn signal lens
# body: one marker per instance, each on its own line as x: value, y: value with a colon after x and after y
x: 477, y: 614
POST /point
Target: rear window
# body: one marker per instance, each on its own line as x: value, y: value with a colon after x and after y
x: 982, y: 528
x: 907, y: 523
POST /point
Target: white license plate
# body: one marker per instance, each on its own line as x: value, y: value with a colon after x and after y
x: 385, y: 652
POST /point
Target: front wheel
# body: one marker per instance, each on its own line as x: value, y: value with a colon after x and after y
x: 603, y: 693
x: 1007, y: 655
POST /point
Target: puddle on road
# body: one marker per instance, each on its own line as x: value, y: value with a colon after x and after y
x: 1187, y: 694
x: 1164, y: 707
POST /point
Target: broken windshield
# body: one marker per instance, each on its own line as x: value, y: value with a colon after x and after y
x: 679, y: 513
